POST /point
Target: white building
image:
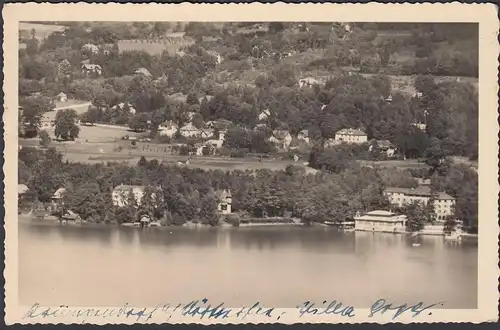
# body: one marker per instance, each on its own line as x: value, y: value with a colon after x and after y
x: 88, y: 69
x: 303, y: 135
x: 22, y: 189
x: 90, y: 48
x: 380, y: 221
x: 224, y: 201
x: 168, y: 128
x: 281, y: 138
x: 308, y: 82
x: 61, y: 97
x: 384, y: 146
x: 58, y: 194
x: 444, y: 204
x: 189, y: 130
x: 122, y: 106
x: 264, y: 114
x: 420, y: 126
x: 218, y: 57
x: 143, y: 71
x: 121, y: 195
x: 351, y: 135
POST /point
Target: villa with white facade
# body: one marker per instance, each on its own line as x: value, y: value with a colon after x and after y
x: 380, y: 221
x: 444, y: 204
x: 350, y: 135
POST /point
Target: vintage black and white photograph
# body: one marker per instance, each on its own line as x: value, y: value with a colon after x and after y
x: 284, y: 163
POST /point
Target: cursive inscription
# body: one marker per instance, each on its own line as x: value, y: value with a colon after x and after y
x: 381, y: 306
x: 202, y: 309
x: 333, y: 308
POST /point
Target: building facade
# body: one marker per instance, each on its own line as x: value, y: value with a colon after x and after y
x: 121, y: 195
x: 224, y: 201
x: 350, y: 135
x: 380, y: 221
x: 444, y: 204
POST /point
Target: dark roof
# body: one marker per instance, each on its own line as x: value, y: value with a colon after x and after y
x: 423, y: 191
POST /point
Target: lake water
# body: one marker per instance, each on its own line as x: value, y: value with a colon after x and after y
x: 280, y: 267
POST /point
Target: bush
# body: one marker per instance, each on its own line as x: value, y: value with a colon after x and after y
x: 44, y: 139
x: 224, y: 151
x: 238, y: 153
x: 233, y: 219
x: 163, y: 139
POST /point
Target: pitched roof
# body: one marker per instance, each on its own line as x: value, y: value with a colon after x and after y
x: 304, y: 132
x: 143, y: 71
x: 59, y: 193
x: 189, y: 127
x: 384, y: 144
x: 22, y: 189
x: 91, y: 66
x: 223, y: 194
x: 280, y: 134
x: 381, y: 213
x: 351, y: 131
x: 126, y: 187
x: 423, y: 191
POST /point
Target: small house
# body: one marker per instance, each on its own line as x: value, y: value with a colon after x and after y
x: 206, y: 133
x: 420, y: 126
x: 70, y: 217
x: 308, y: 82
x: 384, y: 146
x: 91, y: 69
x: 218, y: 57
x: 224, y: 201
x: 168, y: 128
x: 143, y: 71
x: 303, y: 135
x: 91, y: 48
x: 264, y: 114
x: 125, y: 106
x: 22, y: 189
x: 61, y: 97
x: 145, y: 220
x: 189, y: 130
x: 281, y: 138
x: 58, y: 195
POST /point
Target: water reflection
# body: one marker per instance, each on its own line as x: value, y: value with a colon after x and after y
x: 357, y: 267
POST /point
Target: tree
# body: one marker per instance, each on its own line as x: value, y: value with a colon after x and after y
x: 64, y: 71
x: 435, y: 156
x: 417, y: 216
x: 237, y: 138
x: 32, y: 111
x: 142, y: 162
x: 44, y: 139
x: 65, y: 124
x: 208, y: 210
x: 138, y: 122
x: 330, y: 159
x: 90, y: 116
x: 87, y: 201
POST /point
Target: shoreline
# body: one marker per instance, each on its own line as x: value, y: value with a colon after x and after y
x: 54, y: 222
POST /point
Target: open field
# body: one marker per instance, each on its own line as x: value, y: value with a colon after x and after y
x: 79, y: 105
x: 42, y: 31
x: 93, y: 134
x: 152, y: 47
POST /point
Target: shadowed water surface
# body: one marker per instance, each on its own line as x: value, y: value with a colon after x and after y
x: 279, y: 267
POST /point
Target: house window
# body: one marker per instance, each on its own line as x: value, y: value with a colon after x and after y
x: 223, y: 207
